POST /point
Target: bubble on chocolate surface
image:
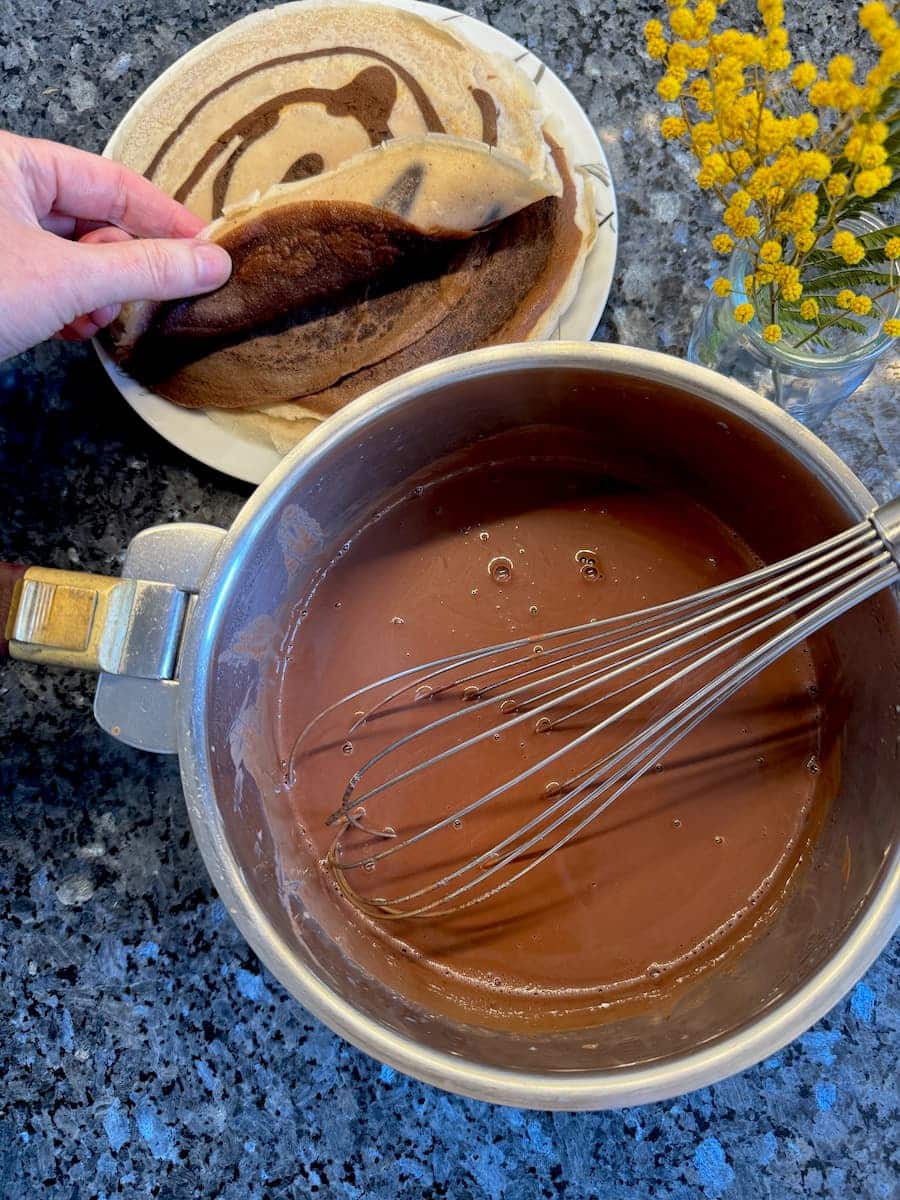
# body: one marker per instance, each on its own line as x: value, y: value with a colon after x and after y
x: 500, y: 569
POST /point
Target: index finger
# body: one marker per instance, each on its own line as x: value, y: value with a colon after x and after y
x: 77, y: 184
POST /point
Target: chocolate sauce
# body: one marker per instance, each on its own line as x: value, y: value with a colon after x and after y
x: 429, y: 114
x: 368, y: 98
x: 683, y: 867
x: 305, y: 167
x: 488, y: 108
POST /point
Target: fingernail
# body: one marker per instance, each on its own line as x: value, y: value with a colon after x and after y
x: 213, y: 264
x: 105, y: 315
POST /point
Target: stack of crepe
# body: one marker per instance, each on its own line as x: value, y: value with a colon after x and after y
x: 388, y: 193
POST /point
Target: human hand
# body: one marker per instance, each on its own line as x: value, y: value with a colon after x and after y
x: 82, y: 235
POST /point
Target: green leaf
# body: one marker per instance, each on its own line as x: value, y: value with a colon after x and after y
x: 878, y: 237
x: 826, y: 303
x: 849, y: 323
x: 821, y: 339
x: 826, y: 262
x: 789, y: 318
x: 859, y: 204
x: 849, y: 277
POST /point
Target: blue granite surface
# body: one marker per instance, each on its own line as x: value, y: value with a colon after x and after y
x: 143, y: 1050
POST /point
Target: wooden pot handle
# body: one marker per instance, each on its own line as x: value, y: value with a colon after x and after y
x: 57, y: 617
x: 10, y: 577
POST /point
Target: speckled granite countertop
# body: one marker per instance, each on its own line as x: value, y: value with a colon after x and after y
x: 143, y: 1050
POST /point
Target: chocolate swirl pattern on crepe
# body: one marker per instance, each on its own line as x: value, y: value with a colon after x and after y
x: 300, y: 88
x: 376, y: 221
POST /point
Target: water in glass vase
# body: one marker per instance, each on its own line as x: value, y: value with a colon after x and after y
x: 805, y: 375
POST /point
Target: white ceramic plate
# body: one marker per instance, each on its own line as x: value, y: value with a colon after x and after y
x: 193, y: 432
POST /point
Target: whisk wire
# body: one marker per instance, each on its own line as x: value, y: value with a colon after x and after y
x: 721, y: 645
x: 663, y: 737
x: 697, y: 626
x: 425, y: 671
x: 800, y: 593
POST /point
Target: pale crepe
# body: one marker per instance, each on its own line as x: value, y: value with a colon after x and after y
x: 438, y: 184
x: 266, y: 95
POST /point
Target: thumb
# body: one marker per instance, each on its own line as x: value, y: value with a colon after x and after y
x: 145, y: 269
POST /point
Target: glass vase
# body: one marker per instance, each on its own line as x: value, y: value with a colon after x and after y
x: 807, y: 382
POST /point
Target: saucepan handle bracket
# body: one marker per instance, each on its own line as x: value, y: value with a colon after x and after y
x: 129, y: 629
x: 143, y: 711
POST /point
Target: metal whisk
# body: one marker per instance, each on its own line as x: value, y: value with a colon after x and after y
x: 707, y: 645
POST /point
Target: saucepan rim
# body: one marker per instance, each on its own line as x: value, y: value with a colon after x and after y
x: 568, y: 1090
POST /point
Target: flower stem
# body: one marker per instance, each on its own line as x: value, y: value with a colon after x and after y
x: 839, y: 317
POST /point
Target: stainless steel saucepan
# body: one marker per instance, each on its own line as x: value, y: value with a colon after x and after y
x: 165, y: 638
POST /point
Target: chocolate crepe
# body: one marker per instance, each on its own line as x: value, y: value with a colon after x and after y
x: 330, y: 296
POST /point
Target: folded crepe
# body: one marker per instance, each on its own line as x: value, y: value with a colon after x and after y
x: 298, y: 89
x: 405, y: 254
x: 388, y: 194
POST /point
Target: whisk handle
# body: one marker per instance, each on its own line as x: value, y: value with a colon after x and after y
x: 886, y: 520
